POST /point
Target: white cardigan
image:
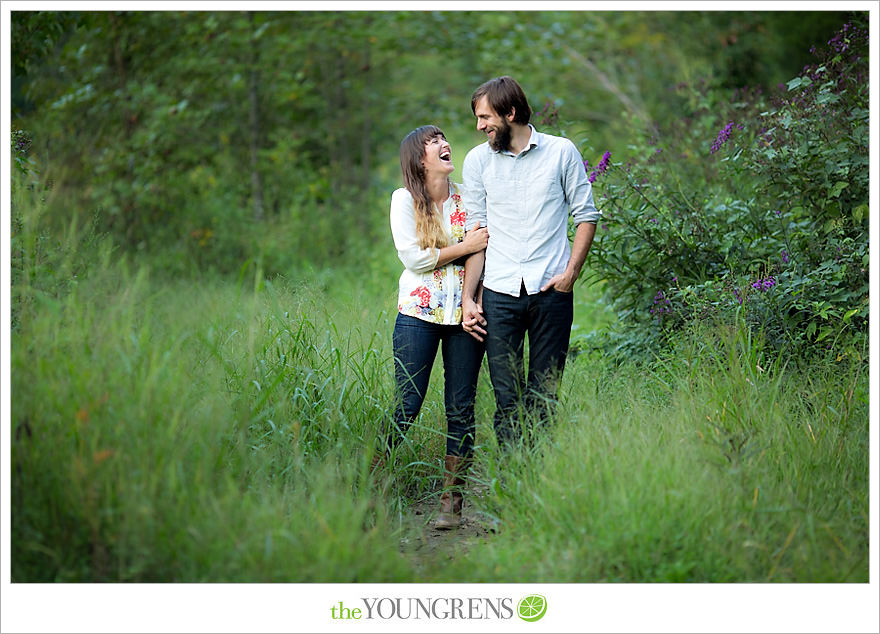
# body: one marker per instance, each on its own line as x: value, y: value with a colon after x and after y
x: 425, y: 291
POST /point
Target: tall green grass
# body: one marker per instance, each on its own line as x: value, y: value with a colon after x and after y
x: 194, y: 432
x: 222, y: 431
x: 720, y: 465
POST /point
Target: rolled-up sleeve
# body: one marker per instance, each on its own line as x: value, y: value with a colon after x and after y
x: 578, y: 189
x: 474, y: 194
x: 403, y: 230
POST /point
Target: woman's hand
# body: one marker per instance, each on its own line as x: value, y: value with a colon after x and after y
x: 472, y: 320
x: 476, y: 239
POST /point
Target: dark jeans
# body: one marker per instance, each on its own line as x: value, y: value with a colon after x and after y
x: 415, y: 346
x: 547, y: 318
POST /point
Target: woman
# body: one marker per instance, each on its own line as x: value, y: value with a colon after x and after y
x: 428, y: 226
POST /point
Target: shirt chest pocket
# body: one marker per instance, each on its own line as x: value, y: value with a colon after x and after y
x: 501, y: 192
x: 545, y: 187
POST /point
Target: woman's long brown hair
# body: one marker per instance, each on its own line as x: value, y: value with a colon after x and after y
x: 429, y: 224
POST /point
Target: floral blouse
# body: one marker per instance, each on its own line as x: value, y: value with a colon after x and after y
x: 426, y: 291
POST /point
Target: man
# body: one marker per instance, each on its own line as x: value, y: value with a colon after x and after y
x: 522, y: 185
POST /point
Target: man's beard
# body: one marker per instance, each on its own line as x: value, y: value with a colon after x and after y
x: 501, y: 142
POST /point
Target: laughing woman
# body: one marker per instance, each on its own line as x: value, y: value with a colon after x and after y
x: 428, y: 226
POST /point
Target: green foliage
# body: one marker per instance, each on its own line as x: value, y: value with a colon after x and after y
x: 47, y: 260
x: 208, y: 131
x: 748, y: 210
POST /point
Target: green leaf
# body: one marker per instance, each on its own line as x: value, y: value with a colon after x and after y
x: 849, y: 314
x: 860, y: 212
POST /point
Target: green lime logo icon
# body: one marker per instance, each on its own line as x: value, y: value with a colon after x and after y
x: 532, y: 607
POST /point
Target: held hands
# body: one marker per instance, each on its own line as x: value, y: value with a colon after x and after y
x: 472, y: 320
x: 476, y: 239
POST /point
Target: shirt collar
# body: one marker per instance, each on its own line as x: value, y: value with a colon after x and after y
x: 534, y: 139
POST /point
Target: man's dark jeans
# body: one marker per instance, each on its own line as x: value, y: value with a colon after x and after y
x: 547, y: 318
x: 415, y: 346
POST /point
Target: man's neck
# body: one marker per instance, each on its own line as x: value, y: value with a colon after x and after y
x: 519, y: 137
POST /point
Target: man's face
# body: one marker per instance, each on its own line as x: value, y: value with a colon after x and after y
x: 494, y: 125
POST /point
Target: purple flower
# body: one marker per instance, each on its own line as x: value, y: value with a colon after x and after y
x: 601, y: 168
x: 723, y: 135
x: 785, y: 256
x: 661, y: 306
x: 764, y: 284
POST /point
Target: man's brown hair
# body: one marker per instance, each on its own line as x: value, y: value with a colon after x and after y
x: 504, y: 95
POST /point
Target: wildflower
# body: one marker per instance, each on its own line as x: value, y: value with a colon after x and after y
x: 723, y: 135
x: 785, y: 256
x: 764, y: 284
x: 661, y: 305
x: 601, y: 168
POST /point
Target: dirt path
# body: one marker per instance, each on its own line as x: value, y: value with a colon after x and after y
x: 426, y: 545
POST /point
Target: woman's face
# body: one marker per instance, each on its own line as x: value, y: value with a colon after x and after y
x: 438, y: 157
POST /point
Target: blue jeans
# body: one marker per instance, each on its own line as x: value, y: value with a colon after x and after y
x: 547, y: 318
x: 415, y: 343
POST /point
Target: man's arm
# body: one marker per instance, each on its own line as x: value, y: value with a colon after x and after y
x: 472, y: 319
x: 474, y: 198
x: 583, y: 240
x: 579, y: 194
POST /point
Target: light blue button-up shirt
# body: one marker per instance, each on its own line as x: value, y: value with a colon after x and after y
x: 524, y: 200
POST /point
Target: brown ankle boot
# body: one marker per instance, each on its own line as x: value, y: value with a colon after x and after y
x: 451, y: 499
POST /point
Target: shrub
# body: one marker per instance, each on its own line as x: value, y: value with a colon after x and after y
x: 753, y: 207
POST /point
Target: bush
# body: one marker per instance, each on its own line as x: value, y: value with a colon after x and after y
x: 768, y: 223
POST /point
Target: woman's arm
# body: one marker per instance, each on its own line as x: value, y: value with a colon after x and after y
x: 474, y: 240
x: 406, y: 241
